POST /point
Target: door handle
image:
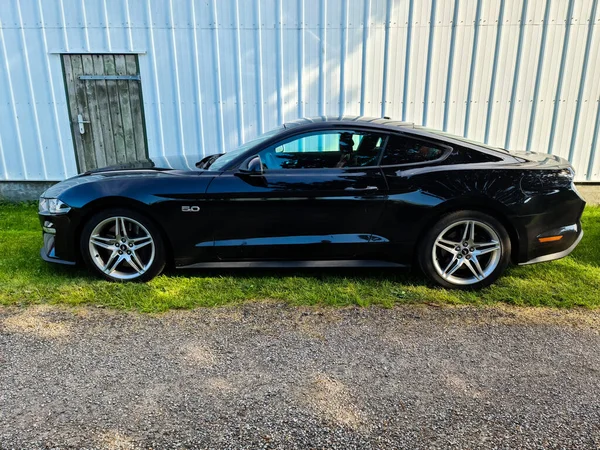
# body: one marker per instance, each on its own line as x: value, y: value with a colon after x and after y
x: 80, y: 121
x: 368, y: 188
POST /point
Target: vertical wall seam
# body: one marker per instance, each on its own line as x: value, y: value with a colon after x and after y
x: 14, y: 106
x: 515, y: 85
x: 107, y: 27
x: 322, y: 56
x: 259, y: 84
x: 156, y: 81
x: 492, y: 91
x: 386, y: 53
x: 198, y: 83
x: 561, y: 72
x: 407, y: 58
x: 301, y: 59
x: 429, y: 59
x: 472, y: 68
x: 586, y: 57
x: 238, y: 75
x: 64, y: 25
x: 129, y: 33
x: 538, y: 76
x: 175, y: 71
x: 218, y: 86
x: 594, y: 144
x: 85, y: 26
x: 449, y: 73
x: 363, y: 83
x: 279, y: 68
x: 344, y: 55
x: 34, y: 107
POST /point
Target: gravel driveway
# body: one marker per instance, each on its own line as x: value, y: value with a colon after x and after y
x: 272, y: 376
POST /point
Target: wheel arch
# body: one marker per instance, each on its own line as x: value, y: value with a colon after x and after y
x: 487, y: 206
x: 101, y: 204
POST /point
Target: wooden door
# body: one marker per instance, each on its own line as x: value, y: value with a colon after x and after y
x: 105, y: 105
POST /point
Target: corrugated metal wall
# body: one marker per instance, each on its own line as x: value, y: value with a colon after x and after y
x: 521, y: 74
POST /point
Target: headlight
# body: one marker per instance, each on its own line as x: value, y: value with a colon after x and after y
x: 53, y: 206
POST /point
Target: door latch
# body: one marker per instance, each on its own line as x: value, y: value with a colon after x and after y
x: 80, y: 121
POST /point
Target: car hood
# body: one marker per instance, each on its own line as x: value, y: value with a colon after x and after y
x: 151, y: 167
x: 161, y: 163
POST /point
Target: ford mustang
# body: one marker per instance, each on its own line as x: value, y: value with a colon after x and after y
x: 323, y: 192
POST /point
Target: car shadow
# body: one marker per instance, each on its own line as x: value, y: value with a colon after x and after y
x: 401, y: 275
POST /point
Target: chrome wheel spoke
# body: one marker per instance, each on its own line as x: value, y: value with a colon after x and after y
x: 475, y: 263
x: 123, y: 227
x: 135, y: 263
x: 117, y: 228
x: 483, y: 248
x: 472, y: 269
x: 454, y: 265
x: 103, y: 242
x: 140, y: 242
x: 112, y: 263
x: 450, y: 247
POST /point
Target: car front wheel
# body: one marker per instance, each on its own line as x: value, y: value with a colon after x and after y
x: 465, y: 250
x: 121, y: 245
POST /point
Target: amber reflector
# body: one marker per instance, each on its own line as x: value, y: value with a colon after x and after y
x: 550, y: 239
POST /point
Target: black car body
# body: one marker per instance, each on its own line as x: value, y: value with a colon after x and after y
x: 313, y: 208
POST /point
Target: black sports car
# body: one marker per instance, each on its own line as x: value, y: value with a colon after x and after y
x: 346, y: 191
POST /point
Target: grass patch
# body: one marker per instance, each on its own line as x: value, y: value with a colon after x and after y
x: 26, y: 279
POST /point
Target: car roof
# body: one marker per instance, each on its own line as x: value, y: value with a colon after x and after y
x: 388, y: 124
x: 347, y: 120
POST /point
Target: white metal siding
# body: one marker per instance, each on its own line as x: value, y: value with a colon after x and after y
x: 524, y: 74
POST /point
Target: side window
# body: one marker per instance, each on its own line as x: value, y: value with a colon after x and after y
x: 403, y: 150
x: 326, y: 149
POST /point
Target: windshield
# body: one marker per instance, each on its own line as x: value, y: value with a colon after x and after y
x: 226, y: 158
x: 461, y: 138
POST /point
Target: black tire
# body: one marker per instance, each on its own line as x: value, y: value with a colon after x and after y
x: 426, y: 250
x: 155, y: 267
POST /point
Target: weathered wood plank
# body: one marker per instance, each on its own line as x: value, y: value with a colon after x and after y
x: 81, y: 97
x: 73, y: 110
x: 135, y: 99
x: 115, y: 109
x: 104, y: 111
x: 95, y: 125
x: 126, y: 115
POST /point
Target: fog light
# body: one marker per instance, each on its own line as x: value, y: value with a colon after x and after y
x: 48, y: 227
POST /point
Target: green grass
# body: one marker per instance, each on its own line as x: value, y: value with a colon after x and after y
x: 26, y: 279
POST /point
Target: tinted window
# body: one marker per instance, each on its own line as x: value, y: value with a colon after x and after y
x: 402, y: 150
x: 327, y: 149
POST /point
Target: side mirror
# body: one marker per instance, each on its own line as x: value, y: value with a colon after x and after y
x: 252, y: 166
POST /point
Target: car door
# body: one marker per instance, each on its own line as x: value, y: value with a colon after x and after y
x: 318, y: 197
x: 407, y: 164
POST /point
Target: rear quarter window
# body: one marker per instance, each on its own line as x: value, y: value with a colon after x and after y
x: 405, y: 150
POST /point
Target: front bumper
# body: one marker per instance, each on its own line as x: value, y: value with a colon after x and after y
x: 59, y: 244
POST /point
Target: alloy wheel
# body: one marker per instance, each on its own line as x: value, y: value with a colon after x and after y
x: 466, y: 252
x: 122, y: 248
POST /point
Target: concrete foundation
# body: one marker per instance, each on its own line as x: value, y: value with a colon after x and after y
x: 590, y: 192
x: 21, y: 191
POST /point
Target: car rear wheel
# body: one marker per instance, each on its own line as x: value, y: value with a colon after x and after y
x: 465, y: 250
x: 122, y: 245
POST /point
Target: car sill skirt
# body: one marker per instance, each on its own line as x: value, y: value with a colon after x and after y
x: 292, y: 264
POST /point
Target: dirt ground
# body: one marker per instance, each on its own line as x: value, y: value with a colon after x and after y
x: 272, y: 376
